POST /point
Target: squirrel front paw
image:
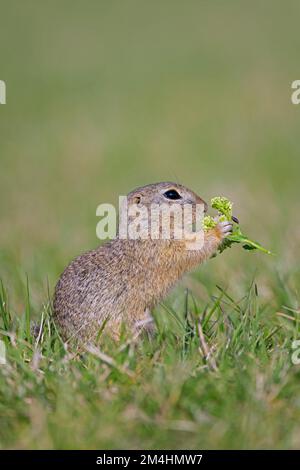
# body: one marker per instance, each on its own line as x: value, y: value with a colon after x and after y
x: 224, y: 228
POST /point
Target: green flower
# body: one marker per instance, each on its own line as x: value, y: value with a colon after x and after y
x: 208, y: 222
x: 224, y: 208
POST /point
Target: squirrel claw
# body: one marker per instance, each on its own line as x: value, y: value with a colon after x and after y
x: 225, y: 228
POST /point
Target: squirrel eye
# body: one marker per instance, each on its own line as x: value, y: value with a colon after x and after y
x: 172, y: 194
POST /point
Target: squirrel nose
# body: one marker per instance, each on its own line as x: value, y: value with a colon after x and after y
x: 200, y: 201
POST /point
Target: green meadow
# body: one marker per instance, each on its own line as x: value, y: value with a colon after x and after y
x: 103, y: 97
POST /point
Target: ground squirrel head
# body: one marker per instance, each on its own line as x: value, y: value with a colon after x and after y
x: 164, y: 193
x: 153, y: 199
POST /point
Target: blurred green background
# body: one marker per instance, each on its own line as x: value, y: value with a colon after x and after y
x: 104, y: 96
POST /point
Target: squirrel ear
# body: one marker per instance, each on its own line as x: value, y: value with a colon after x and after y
x: 137, y: 199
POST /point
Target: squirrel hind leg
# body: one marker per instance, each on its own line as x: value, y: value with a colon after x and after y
x: 146, y: 325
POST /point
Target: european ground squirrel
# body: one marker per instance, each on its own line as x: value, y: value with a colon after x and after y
x: 123, y: 279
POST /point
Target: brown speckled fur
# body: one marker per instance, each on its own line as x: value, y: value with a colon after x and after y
x: 123, y: 279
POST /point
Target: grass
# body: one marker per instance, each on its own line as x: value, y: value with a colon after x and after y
x: 214, y: 377
x: 103, y: 97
